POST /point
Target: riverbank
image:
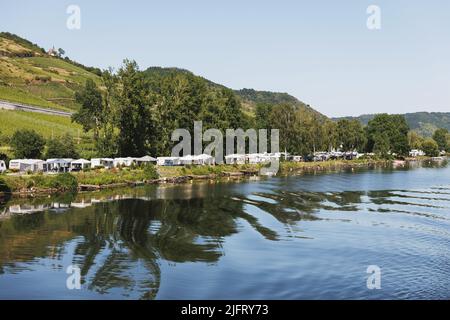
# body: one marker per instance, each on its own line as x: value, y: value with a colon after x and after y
x: 44, y: 184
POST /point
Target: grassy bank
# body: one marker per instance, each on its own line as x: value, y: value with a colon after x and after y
x: 44, y: 183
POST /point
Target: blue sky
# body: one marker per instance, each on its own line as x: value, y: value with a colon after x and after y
x: 319, y: 51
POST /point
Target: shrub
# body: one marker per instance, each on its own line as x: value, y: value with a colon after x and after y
x: 150, y: 172
x: 65, y: 182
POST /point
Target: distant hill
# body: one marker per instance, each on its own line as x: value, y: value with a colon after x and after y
x: 29, y: 75
x: 424, y: 123
x: 249, y: 97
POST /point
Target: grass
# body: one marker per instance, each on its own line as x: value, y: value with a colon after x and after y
x: 45, y: 124
x: 16, y: 94
x: 60, y: 182
x: 39, y: 80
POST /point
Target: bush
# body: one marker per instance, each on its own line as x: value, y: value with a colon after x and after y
x: 150, y: 172
x: 430, y: 147
x: 65, y: 182
x: 4, y: 186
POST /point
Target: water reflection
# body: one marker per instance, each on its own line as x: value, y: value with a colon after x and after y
x: 122, y: 239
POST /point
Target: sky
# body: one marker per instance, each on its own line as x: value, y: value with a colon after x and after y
x: 321, y: 52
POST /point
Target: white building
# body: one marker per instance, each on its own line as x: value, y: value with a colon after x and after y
x: 24, y: 165
x: 102, y: 162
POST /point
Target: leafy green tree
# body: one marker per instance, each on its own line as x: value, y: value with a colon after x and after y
x: 330, y: 133
x: 394, y: 127
x: 351, y: 135
x: 381, y: 146
x: 415, y: 140
x: 262, y: 116
x: 285, y: 118
x: 440, y: 136
x: 92, y: 112
x: 430, y: 147
x: 61, y: 147
x: 27, y: 144
x: 134, y: 108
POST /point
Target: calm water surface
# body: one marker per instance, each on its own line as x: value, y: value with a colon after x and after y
x: 300, y: 237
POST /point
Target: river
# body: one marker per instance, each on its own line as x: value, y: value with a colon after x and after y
x: 311, y: 236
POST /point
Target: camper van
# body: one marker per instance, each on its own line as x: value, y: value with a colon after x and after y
x: 2, y: 166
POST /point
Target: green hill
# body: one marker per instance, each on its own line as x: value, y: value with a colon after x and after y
x: 249, y: 97
x: 424, y: 123
x: 31, y: 76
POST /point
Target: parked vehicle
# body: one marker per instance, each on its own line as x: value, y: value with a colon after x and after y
x: 2, y: 166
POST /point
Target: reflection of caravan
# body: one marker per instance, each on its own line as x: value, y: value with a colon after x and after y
x: 2, y: 166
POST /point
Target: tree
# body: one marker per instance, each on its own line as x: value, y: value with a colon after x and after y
x: 330, y: 133
x: 440, y: 136
x: 394, y: 127
x: 284, y: 118
x: 134, y: 108
x: 381, y: 145
x: 262, y: 116
x: 91, y: 114
x: 351, y: 134
x: 415, y: 140
x: 430, y: 147
x: 27, y: 144
x: 61, y: 147
x: 61, y: 52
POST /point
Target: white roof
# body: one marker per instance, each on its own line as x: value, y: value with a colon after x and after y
x: 27, y: 161
x: 235, y: 155
x: 168, y: 158
x: 146, y: 158
x: 59, y: 160
x: 81, y: 161
x: 202, y: 156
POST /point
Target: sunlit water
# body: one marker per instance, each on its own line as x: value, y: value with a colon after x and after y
x: 300, y: 237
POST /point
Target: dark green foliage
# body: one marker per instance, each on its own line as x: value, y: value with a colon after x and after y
x: 440, y: 136
x: 351, y: 135
x: 430, y: 147
x: 91, y: 113
x: 150, y: 172
x: 388, y: 127
x: 27, y: 144
x: 65, y: 182
x: 61, y: 147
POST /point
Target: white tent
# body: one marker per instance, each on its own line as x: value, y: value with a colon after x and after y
x: 102, y: 162
x: 124, y: 161
x: 57, y: 165
x: 80, y: 164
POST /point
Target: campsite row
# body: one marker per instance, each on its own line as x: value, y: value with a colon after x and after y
x: 67, y: 165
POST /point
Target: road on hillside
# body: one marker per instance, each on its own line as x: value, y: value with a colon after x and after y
x: 18, y: 106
